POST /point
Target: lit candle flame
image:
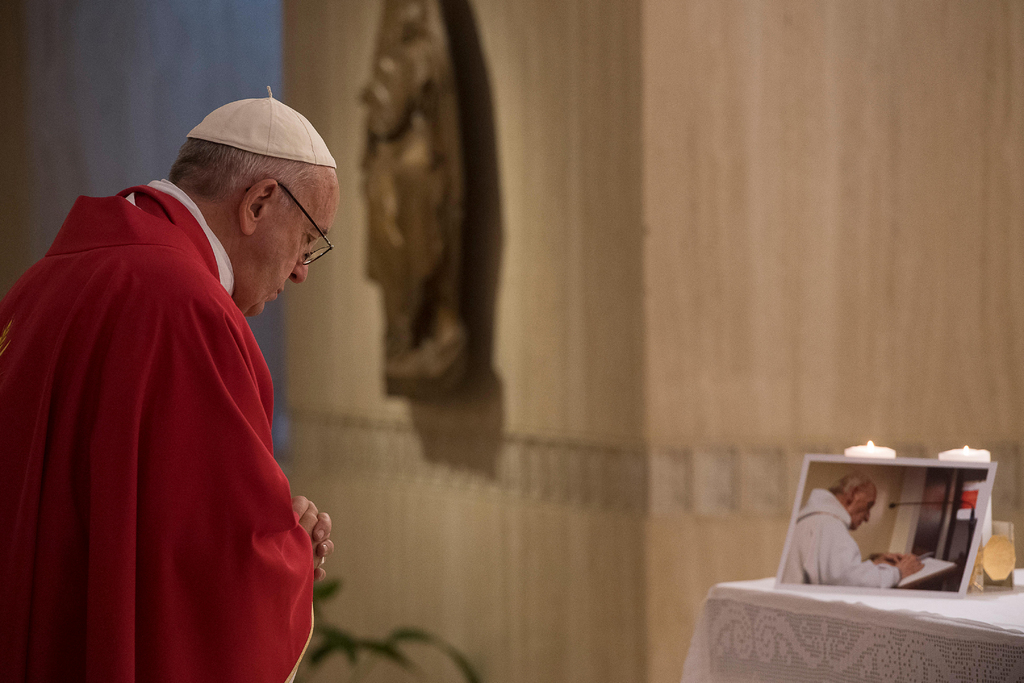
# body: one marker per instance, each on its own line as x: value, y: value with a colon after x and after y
x: 966, y: 449
x: 870, y: 444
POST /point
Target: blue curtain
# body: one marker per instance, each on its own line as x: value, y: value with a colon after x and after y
x: 115, y: 85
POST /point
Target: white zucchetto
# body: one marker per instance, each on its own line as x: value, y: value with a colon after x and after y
x: 265, y: 126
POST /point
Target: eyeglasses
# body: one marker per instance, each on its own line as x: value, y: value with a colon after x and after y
x: 317, y: 251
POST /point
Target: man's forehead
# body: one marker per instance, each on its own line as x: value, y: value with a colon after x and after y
x: 324, y: 196
x: 330, y: 211
x: 322, y: 211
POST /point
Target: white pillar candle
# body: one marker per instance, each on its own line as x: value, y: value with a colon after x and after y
x: 869, y: 450
x: 967, y: 454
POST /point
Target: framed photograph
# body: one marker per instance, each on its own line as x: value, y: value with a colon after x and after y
x: 911, y: 525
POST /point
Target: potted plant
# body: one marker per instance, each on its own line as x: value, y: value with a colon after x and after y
x: 364, y: 653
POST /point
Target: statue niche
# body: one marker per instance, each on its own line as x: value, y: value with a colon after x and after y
x: 414, y: 192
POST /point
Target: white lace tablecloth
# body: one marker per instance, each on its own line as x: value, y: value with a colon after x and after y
x: 749, y: 631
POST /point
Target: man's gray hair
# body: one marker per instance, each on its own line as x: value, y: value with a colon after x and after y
x: 215, y: 171
x: 850, y: 483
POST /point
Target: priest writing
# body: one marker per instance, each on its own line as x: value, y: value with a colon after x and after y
x: 822, y: 550
x: 147, y: 532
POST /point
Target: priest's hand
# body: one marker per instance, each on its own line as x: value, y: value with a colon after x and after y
x: 318, y: 525
x: 909, y: 564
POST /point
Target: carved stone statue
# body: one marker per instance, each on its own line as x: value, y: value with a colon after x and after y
x: 414, y: 191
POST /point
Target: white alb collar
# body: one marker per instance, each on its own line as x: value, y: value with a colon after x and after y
x: 224, y: 269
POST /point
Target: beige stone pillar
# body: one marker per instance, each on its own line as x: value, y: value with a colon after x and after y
x: 509, y: 517
x: 834, y: 198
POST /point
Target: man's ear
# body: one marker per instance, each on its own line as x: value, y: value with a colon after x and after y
x: 254, y: 204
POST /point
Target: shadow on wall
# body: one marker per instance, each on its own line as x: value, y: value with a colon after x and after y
x: 464, y: 428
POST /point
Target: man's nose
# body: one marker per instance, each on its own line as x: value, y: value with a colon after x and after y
x: 299, y: 273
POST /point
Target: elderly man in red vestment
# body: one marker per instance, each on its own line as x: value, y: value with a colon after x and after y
x: 147, y: 533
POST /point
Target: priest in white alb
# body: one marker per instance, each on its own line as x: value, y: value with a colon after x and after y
x: 822, y: 550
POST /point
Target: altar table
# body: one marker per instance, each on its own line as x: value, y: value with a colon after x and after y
x: 749, y: 631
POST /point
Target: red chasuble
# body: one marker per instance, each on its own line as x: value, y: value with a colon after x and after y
x: 146, y: 532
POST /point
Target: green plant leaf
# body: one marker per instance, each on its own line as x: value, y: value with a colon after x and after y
x: 333, y: 639
x: 421, y: 636
x: 388, y: 650
x: 325, y: 589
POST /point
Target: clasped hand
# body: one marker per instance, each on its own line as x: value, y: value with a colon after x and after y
x: 318, y: 525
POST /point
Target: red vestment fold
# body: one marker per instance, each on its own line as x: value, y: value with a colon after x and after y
x: 147, y: 531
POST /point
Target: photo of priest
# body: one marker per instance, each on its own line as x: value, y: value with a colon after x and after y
x: 825, y: 553
x: 899, y: 524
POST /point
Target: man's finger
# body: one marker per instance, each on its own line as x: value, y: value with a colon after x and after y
x: 322, y: 529
x: 307, y: 521
x: 299, y: 504
x: 308, y: 516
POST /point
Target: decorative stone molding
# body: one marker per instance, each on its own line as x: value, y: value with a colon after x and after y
x: 706, y: 480
x: 563, y: 471
x: 722, y: 480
